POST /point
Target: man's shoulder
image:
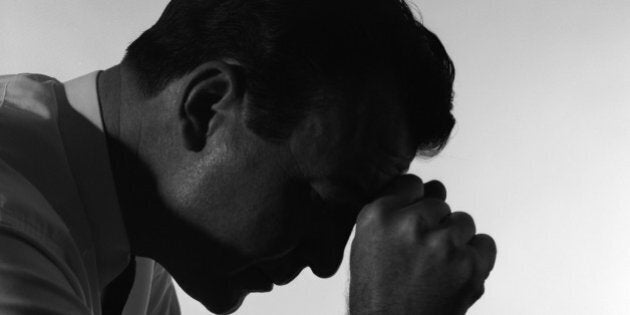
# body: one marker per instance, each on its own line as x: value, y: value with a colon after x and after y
x: 29, y: 92
x: 28, y: 112
x: 25, y: 212
x: 30, y: 140
x: 30, y: 152
x: 41, y: 264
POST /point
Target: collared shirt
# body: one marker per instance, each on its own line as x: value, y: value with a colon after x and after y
x: 62, y: 237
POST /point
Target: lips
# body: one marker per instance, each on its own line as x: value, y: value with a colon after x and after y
x: 282, y: 279
x: 253, y: 280
x: 263, y: 287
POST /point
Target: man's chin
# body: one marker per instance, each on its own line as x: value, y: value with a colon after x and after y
x: 226, y: 306
x: 226, y: 295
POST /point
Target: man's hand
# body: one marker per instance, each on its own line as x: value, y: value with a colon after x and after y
x: 411, y: 255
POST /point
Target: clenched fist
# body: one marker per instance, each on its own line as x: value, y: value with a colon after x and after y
x: 411, y: 255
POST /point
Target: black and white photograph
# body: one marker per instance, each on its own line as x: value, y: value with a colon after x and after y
x: 314, y: 157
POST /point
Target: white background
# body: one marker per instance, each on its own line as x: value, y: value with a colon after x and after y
x: 538, y: 156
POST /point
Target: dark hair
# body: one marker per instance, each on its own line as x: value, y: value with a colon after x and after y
x: 294, y: 50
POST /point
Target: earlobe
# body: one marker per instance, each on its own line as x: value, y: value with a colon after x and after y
x: 212, y: 87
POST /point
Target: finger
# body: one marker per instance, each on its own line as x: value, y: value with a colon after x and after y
x: 461, y: 227
x: 435, y: 189
x: 401, y: 191
x: 486, y: 249
x: 431, y: 210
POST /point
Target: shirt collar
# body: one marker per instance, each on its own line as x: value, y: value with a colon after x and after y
x: 94, y: 176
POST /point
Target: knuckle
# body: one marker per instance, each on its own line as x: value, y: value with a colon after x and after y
x: 492, y: 245
x: 439, y: 242
x: 436, y: 206
x: 467, y: 262
x: 462, y: 221
x: 371, y: 214
x: 411, y: 217
x: 414, y: 181
x: 478, y: 292
x: 380, y: 203
x: 442, y: 238
x: 433, y: 203
x: 435, y: 189
x: 464, y: 267
x: 463, y: 217
x: 410, y: 225
x: 488, y: 256
x: 411, y: 179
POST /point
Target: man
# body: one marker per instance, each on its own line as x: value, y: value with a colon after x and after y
x: 237, y: 143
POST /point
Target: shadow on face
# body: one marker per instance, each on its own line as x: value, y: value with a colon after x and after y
x: 227, y: 212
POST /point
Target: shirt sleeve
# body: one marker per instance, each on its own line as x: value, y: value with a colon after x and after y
x: 163, y: 299
x: 30, y: 282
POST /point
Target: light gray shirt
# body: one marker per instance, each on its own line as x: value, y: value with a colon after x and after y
x: 62, y: 238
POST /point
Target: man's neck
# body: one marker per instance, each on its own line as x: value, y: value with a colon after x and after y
x: 120, y: 100
x: 120, y: 105
x: 152, y: 229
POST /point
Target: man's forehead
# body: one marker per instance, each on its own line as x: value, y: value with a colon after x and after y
x: 360, y: 181
x: 364, y: 138
x: 364, y: 162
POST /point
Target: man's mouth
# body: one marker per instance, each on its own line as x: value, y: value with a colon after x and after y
x: 255, y: 280
x: 261, y: 278
x: 281, y: 279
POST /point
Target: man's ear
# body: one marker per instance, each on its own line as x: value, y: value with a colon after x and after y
x: 211, y: 87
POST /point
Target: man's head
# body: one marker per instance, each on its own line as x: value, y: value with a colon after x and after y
x: 274, y: 121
